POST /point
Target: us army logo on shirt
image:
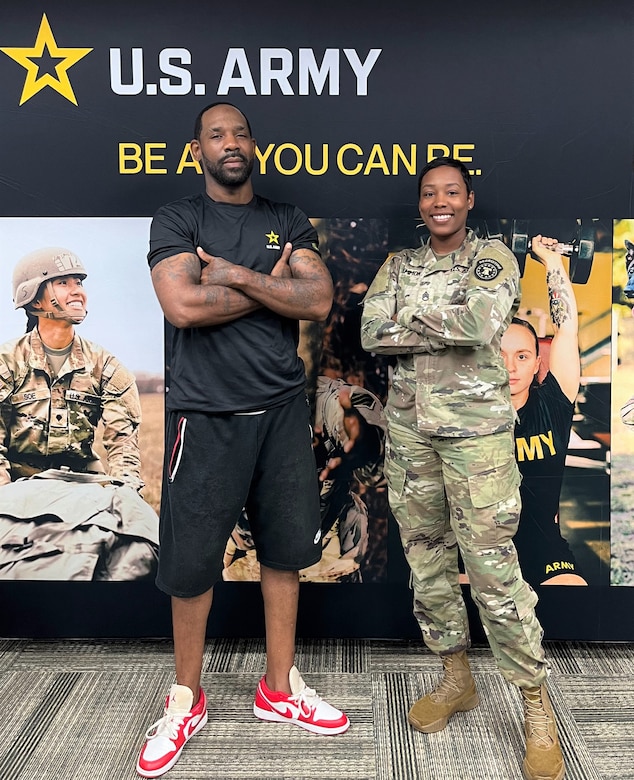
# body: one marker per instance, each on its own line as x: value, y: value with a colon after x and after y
x: 273, y: 240
x: 486, y: 270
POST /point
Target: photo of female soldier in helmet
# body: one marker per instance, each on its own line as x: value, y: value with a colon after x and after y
x: 65, y: 512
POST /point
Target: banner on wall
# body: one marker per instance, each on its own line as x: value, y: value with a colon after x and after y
x: 99, y: 114
x: 622, y: 528
x: 59, y: 524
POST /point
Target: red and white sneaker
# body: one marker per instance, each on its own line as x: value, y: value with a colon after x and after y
x: 166, y: 738
x: 303, y: 707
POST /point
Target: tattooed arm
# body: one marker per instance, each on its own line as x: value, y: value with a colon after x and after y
x: 188, y: 301
x: 300, y: 286
x: 564, y: 350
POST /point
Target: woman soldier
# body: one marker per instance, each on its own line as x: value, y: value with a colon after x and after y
x: 55, y: 388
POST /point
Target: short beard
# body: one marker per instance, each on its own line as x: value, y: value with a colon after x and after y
x: 232, y: 177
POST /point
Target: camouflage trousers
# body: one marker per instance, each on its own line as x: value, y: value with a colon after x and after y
x: 449, y: 494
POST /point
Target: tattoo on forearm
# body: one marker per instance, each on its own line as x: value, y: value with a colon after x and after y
x: 175, y: 269
x: 227, y: 301
x: 559, y: 297
x: 211, y: 295
x: 312, y: 266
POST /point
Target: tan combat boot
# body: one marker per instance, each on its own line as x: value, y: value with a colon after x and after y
x: 455, y: 693
x: 543, y: 760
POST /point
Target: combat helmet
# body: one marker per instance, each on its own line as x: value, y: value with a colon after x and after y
x: 41, y: 267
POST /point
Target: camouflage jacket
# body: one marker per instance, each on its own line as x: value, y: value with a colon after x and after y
x: 449, y: 317
x: 50, y: 422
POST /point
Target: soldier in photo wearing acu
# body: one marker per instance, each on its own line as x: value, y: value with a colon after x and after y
x: 65, y: 514
x: 453, y: 482
x: 348, y: 443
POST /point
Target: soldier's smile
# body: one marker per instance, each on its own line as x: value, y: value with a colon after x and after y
x: 443, y: 188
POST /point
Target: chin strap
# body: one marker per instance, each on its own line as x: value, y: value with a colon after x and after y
x: 59, y: 313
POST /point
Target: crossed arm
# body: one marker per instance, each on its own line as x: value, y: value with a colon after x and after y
x: 390, y: 328
x: 298, y: 287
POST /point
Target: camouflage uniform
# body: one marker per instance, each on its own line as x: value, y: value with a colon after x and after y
x: 49, y: 423
x: 344, y: 516
x: 449, y: 462
x: 80, y: 524
x: 61, y: 525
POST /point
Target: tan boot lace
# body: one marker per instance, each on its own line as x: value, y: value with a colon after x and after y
x: 448, y: 687
x: 538, y: 720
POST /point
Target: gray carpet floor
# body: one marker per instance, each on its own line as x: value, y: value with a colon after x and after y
x: 77, y: 710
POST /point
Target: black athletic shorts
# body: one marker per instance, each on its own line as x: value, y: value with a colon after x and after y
x: 216, y: 464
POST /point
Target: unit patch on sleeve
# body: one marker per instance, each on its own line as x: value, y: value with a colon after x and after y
x: 486, y: 270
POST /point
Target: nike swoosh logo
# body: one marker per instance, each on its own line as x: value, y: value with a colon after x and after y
x: 286, y: 709
x: 191, y: 726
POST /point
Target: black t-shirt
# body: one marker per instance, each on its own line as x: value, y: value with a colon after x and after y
x: 541, y: 441
x: 252, y: 362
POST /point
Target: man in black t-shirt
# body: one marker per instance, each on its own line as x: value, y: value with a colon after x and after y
x: 234, y: 273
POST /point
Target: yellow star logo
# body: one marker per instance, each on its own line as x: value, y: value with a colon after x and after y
x: 25, y: 56
x: 274, y: 238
